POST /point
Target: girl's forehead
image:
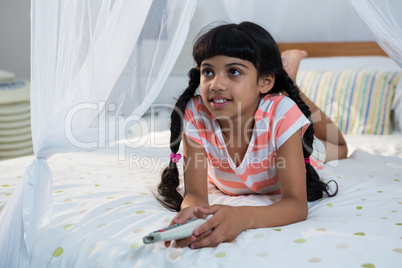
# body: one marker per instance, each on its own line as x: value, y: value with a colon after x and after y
x: 218, y: 59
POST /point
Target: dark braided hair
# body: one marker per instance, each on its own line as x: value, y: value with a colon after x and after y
x: 251, y: 42
x: 167, y: 189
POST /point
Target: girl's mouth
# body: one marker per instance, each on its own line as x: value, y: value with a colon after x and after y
x: 219, y: 102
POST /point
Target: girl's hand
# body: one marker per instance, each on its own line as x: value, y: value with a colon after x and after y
x: 227, y: 223
x: 185, y: 214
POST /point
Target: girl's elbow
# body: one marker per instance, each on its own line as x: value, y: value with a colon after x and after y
x: 304, y: 212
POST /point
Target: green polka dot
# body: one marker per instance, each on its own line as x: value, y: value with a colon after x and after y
x: 313, y: 260
x: 258, y: 235
x: 360, y: 233
x: 174, y: 255
x: 135, y: 245
x: 67, y: 226
x: 92, y: 250
x: 398, y: 250
x: 110, y: 197
x: 97, y: 185
x: 278, y: 230
x: 101, y: 225
x: 359, y: 207
x: 5, y: 185
x: 342, y: 246
x: 329, y: 205
x: 396, y: 180
x: 128, y: 203
x: 399, y: 224
x: 58, y: 252
x: 368, y: 265
x: 220, y: 255
x: 56, y: 192
x: 300, y: 240
x: 140, y: 212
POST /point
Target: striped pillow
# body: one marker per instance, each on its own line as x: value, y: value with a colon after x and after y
x: 359, y: 101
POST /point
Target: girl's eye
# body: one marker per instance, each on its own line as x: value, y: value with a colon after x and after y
x: 234, y: 72
x: 207, y: 72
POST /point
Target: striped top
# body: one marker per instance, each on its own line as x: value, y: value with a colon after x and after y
x: 276, y: 119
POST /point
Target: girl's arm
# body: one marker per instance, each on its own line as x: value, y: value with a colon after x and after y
x: 195, y: 186
x: 195, y: 174
x: 228, y: 222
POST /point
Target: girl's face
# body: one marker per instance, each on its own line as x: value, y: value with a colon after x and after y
x: 230, y: 88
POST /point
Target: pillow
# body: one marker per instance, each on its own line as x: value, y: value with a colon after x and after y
x: 358, y: 101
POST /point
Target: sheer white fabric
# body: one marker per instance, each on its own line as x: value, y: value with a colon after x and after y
x: 384, y: 21
x: 96, y: 67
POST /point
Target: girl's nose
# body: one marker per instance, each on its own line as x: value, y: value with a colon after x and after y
x: 218, y: 84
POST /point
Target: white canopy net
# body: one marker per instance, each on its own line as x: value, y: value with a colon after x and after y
x: 91, y: 60
x: 384, y: 21
x: 98, y: 59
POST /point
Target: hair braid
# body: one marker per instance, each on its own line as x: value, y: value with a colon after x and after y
x: 167, y: 189
x: 315, y: 187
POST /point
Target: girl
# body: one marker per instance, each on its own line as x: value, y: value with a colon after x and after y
x: 244, y: 136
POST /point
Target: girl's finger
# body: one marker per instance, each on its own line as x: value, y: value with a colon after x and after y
x: 208, y: 210
x: 205, y: 227
x: 208, y: 239
x: 186, y: 241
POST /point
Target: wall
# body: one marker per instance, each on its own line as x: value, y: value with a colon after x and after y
x: 287, y: 20
x: 15, y: 37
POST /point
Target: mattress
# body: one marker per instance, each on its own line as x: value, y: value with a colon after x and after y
x: 104, y: 206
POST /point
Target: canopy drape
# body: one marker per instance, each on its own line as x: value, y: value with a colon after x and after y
x: 96, y: 67
x: 384, y: 21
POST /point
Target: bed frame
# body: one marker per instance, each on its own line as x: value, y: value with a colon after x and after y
x: 327, y: 49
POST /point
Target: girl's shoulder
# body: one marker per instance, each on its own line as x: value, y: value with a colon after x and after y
x: 195, y: 101
x: 277, y: 101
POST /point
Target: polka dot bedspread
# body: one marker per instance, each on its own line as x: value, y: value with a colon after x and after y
x: 104, y: 206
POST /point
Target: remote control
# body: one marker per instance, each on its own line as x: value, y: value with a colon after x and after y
x: 178, y: 231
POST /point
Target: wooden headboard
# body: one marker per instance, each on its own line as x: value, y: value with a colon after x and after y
x: 328, y: 49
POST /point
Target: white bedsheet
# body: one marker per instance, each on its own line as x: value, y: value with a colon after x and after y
x: 103, y: 207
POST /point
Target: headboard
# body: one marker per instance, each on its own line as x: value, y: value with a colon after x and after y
x: 327, y: 49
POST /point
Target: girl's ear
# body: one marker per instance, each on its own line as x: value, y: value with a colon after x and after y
x: 266, y: 83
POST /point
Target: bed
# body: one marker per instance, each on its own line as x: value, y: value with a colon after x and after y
x: 104, y: 203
